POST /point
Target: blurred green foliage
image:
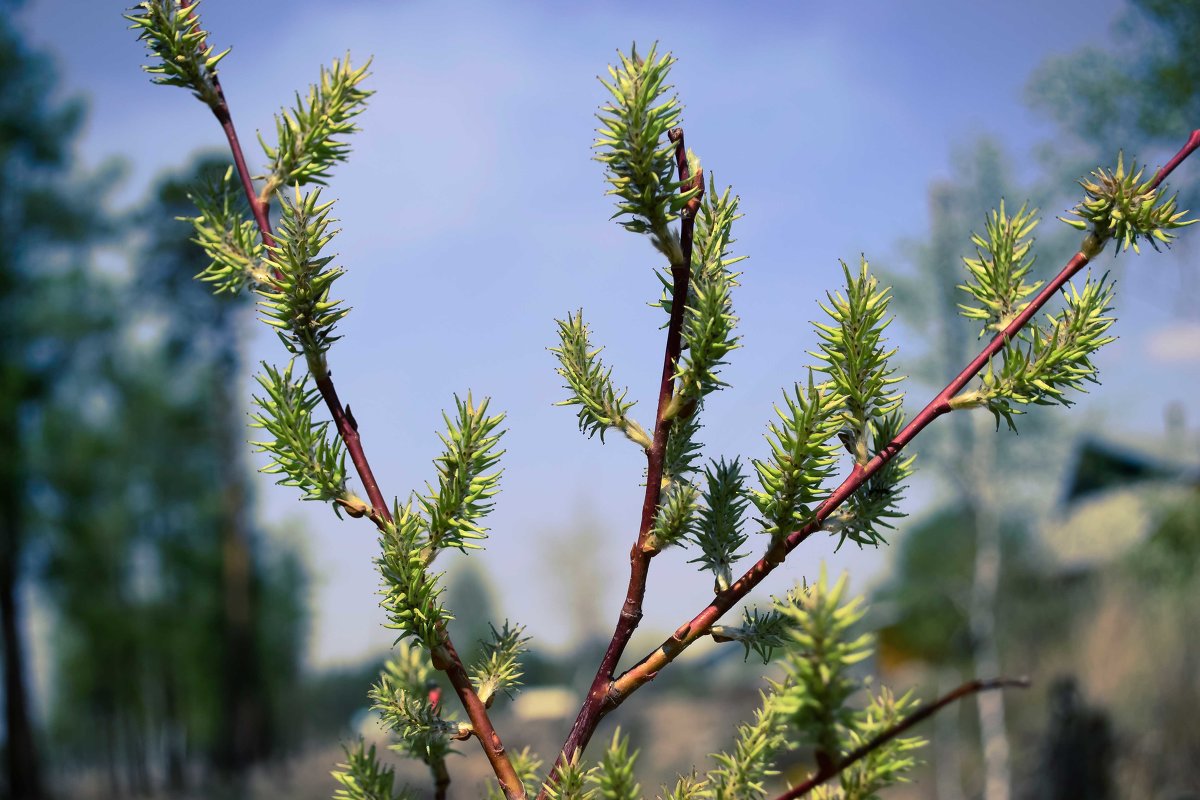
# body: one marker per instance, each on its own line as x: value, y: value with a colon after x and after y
x: 49, y: 216
x: 177, y: 621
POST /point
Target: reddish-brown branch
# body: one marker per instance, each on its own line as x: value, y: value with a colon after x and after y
x: 347, y: 428
x: 447, y: 660
x: 648, y: 668
x: 257, y: 207
x: 920, y: 715
x: 641, y: 554
x: 1193, y: 142
x: 221, y: 111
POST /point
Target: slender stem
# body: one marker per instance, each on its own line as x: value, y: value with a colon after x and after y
x: 446, y: 659
x: 920, y: 715
x: 648, y: 668
x: 449, y: 661
x: 221, y: 111
x: 441, y: 779
x: 347, y: 428
x: 258, y: 207
x: 1190, y: 147
x: 641, y: 554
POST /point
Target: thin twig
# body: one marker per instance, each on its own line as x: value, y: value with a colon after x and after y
x: 640, y: 555
x: 920, y: 715
x: 347, y: 428
x: 1193, y: 142
x: 649, y: 667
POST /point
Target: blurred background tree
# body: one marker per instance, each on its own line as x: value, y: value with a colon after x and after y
x: 48, y: 221
x: 942, y: 599
x: 179, y: 627
x: 1136, y: 91
x: 124, y: 485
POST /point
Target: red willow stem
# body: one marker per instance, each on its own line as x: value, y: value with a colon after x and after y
x: 640, y: 556
x: 920, y: 715
x: 1190, y: 147
x: 221, y: 112
x: 648, y: 668
x: 450, y: 663
x: 257, y: 207
x: 343, y: 420
x: 447, y: 661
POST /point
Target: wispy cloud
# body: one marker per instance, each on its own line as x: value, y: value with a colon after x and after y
x: 1175, y: 344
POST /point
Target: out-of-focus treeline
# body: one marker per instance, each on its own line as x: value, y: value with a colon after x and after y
x: 179, y: 621
x: 125, y: 499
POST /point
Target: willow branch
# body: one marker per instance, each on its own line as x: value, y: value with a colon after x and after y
x: 648, y: 668
x: 920, y: 715
x: 449, y: 661
x: 1190, y: 147
x: 641, y: 554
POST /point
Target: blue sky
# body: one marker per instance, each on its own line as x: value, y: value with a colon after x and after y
x: 472, y: 216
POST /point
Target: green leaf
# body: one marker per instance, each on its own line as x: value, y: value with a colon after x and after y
x: 572, y: 781
x: 679, y: 460
x: 612, y: 779
x: 527, y: 764
x: 405, y: 707
x: 803, y: 456
x: 743, y: 774
x: 411, y: 594
x: 1119, y: 205
x: 854, y: 356
x: 362, y: 777
x: 718, y: 529
x: 499, y: 668
x: 1050, y: 359
x: 763, y: 631
x: 687, y: 787
x: 296, y: 300
x: 874, y: 503
x: 817, y: 661
x: 885, y: 765
x: 676, y: 517
x: 708, y: 322
x: 228, y: 236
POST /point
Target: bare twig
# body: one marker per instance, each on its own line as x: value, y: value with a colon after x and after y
x: 920, y: 715
x: 1190, y: 147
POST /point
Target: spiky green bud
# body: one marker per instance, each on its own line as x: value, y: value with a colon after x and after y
x: 1119, y: 205
x: 638, y: 159
x: 997, y: 274
x: 173, y: 36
